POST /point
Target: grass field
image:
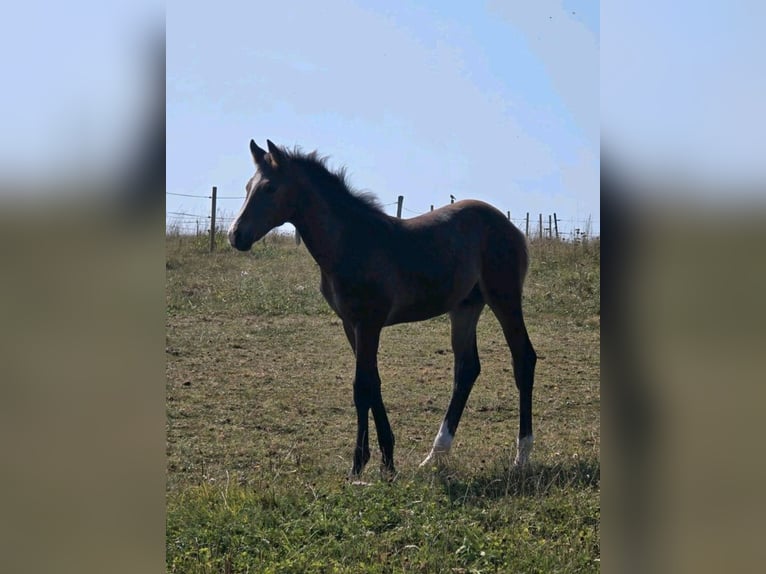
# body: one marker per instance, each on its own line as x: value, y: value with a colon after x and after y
x: 261, y: 425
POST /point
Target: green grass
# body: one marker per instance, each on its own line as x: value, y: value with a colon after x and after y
x: 261, y: 427
x: 275, y: 278
x: 424, y: 522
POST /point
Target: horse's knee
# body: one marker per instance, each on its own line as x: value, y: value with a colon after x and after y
x: 366, y: 391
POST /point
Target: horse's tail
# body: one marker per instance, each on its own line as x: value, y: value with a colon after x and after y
x: 524, y: 261
x: 522, y: 244
x: 506, y: 256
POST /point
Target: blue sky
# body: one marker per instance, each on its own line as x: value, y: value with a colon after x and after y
x: 497, y: 101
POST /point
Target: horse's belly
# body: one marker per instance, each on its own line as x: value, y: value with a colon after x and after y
x: 429, y: 303
x: 413, y: 313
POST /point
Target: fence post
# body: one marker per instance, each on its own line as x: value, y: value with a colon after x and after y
x: 297, y: 236
x: 556, y: 224
x: 541, y: 226
x: 550, y: 227
x: 527, y: 224
x: 399, y: 202
x: 432, y: 207
x: 212, y: 221
x: 509, y: 216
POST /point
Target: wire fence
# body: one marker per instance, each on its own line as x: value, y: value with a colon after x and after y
x: 549, y: 226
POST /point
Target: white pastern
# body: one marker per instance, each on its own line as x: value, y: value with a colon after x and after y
x: 523, y: 448
x: 442, y: 444
x: 443, y: 440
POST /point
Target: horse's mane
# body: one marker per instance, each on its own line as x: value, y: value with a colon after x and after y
x: 334, y: 185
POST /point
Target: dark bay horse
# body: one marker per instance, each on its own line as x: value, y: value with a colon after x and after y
x: 377, y: 270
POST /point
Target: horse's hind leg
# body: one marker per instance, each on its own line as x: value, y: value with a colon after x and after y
x: 506, y: 304
x: 467, y: 368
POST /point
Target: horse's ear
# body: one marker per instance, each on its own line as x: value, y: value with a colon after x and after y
x: 277, y: 157
x: 258, y: 153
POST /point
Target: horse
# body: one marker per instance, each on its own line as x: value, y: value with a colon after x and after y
x: 377, y: 270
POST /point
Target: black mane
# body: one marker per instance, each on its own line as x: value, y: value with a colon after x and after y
x: 333, y: 184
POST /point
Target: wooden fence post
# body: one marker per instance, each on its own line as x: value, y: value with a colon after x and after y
x: 212, y: 221
x: 297, y: 237
x: 432, y: 207
x: 399, y: 202
x: 550, y: 227
x: 509, y: 216
x: 527, y: 224
x: 556, y: 224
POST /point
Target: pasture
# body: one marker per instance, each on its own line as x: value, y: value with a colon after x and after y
x: 261, y: 426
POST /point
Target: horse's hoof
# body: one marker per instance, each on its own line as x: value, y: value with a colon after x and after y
x: 359, y: 462
x: 387, y: 472
x: 435, y: 458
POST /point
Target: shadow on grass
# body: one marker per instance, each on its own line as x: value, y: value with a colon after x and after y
x: 533, y: 480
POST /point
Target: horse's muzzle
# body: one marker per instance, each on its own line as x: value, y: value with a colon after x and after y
x: 237, y: 241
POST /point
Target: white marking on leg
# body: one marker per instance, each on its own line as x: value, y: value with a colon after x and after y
x: 443, y: 440
x: 442, y: 444
x: 523, y: 448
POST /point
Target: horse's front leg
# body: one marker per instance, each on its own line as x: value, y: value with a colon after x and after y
x: 367, y: 396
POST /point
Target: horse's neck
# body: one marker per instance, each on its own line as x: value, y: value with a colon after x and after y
x: 328, y: 230
x: 320, y: 228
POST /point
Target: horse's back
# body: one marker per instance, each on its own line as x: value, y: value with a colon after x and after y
x: 472, y: 224
x: 466, y: 214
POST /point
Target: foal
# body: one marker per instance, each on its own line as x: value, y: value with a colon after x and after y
x: 377, y: 270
